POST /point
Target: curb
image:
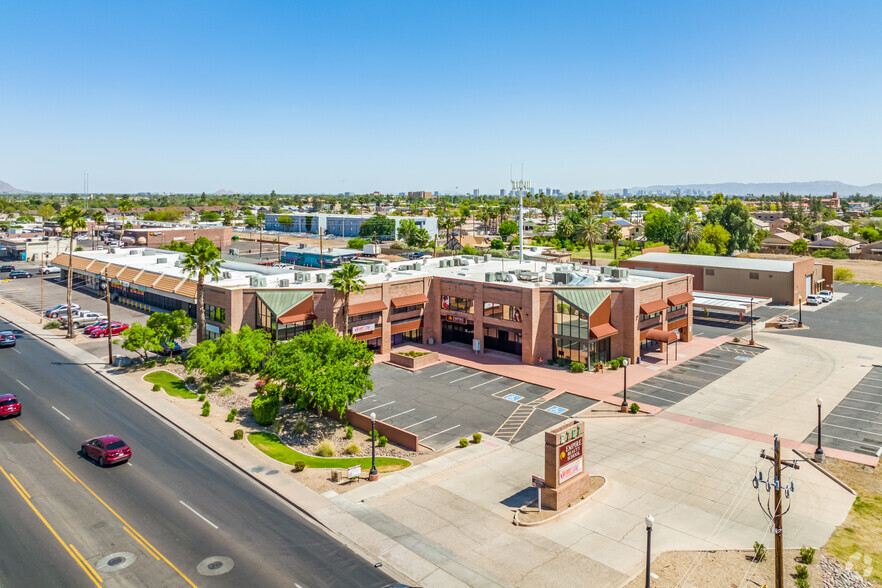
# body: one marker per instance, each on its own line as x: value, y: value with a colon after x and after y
x: 518, y: 523
x: 825, y: 472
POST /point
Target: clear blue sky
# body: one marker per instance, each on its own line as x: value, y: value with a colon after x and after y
x: 361, y: 96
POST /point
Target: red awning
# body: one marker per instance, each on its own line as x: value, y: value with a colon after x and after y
x: 366, y: 307
x: 653, y: 307
x: 604, y: 330
x: 296, y: 318
x: 661, y: 335
x: 407, y: 326
x: 678, y: 299
x: 409, y: 300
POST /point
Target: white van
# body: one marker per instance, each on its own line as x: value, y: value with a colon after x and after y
x: 813, y: 300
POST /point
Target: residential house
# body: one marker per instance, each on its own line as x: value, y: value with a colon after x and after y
x: 835, y: 241
x: 781, y: 240
x: 476, y: 241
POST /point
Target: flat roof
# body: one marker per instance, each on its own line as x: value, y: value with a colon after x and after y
x: 745, y: 263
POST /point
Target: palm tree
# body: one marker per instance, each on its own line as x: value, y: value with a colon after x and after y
x: 124, y: 205
x: 590, y: 232
x: 201, y: 259
x: 614, y: 234
x: 98, y: 217
x: 71, y: 219
x: 690, y: 234
x: 346, y: 279
x: 448, y: 223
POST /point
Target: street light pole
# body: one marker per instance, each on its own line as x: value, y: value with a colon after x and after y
x: 819, y: 452
x: 625, y: 387
x: 752, y: 342
x: 800, y: 311
x: 42, y: 265
x: 649, y: 520
x: 373, y: 475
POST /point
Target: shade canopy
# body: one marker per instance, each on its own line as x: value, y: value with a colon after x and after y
x: 661, y: 335
x: 653, y: 307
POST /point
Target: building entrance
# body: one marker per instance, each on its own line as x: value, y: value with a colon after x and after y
x: 505, y: 340
x: 459, y: 332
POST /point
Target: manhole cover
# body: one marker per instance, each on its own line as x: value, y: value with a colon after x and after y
x: 215, y: 565
x: 115, y: 561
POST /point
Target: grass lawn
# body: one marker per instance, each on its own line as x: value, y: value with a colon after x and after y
x: 273, y: 447
x: 859, y: 539
x: 173, y: 385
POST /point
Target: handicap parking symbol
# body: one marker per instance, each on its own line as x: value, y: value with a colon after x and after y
x: 513, y: 397
x: 742, y: 358
x: 556, y: 410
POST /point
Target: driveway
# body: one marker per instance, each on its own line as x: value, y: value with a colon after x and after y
x: 854, y: 316
x: 855, y: 424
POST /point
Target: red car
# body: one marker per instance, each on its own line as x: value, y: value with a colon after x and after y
x: 115, y: 329
x: 107, y: 450
x: 9, y: 406
x: 99, y: 325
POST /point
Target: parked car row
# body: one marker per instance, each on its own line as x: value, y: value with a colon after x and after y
x: 83, y: 318
x: 819, y: 298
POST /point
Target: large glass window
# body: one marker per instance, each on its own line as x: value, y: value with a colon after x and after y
x: 569, y: 321
x: 502, y: 311
x: 403, y: 309
x: 268, y: 321
x: 215, y: 313
x: 572, y: 336
x: 458, y: 304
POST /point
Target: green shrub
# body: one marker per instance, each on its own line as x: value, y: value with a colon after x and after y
x: 231, y: 416
x: 325, y: 448
x: 156, y: 387
x: 476, y: 438
x: 463, y: 442
x: 634, y: 408
x: 301, y: 427
x: 238, y: 434
x: 201, y: 397
x: 759, y: 551
x: 150, y: 364
x: 414, y: 353
x: 265, y: 409
x: 840, y: 274
x: 381, y: 442
x: 802, y: 583
x: 577, y: 367
x: 227, y: 391
x: 349, y: 431
x: 736, y: 340
x: 807, y: 554
x: 299, y: 466
x: 205, y: 388
x: 802, y: 572
x: 613, y: 263
x: 353, y: 449
x: 206, y: 403
x: 206, y: 409
x: 52, y: 325
x: 190, y: 380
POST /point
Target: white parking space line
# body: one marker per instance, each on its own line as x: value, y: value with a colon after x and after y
x: 705, y: 358
x: 382, y: 405
x: 869, y: 385
x: 438, y: 433
x: 507, y: 389
x: 854, y: 442
x: 466, y: 377
x: 870, y: 394
x: 676, y: 382
x: 447, y: 372
x: 850, y: 428
x: 694, y: 369
x: 398, y: 415
x: 659, y: 388
x: 365, y: 397
x: 419, y: 423
x: 864, y: 401
x: 16, y: 350
x: 61, y: 413
x: 23, y: 385
x: 197, y: 514
x: 487, y: 382
x: 651, y: 396
x: 842, y: 416
x: 877, y: 411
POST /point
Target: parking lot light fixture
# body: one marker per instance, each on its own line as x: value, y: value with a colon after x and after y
x: 819, y: 452
x: 625, y: 387
x: 373, y: 475
x: 752, y: 342
x: 800, y: 311
x: 649, y: 520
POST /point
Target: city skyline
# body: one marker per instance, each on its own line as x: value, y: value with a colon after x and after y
x: 354, y: 98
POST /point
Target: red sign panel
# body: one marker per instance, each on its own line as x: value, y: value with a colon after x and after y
x: 538, y: 482
x: 571, y: 451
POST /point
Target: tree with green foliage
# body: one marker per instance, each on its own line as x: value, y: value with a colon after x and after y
x: 683, y: 205
x: 70, y: 219
x: 251, y: 221
x: 662, y: 226
x: 321, y: 369
x: 46, y: 212
x: 170, y: 327
x: 507, y: 228
x: 447, y: 223
x: 232, y: 353
x: 356, y: 243
x: 346, y: 279
x: 419, y: 238
x: 265, y: 408
x: 377, y: 226
x: 228, y: 216
x: 703, y: 248
x: 690, y: 234
x: 285, y: 220
x: 209, y: 216
x: 717, y: 236
x: 614, y: 234
x: 589, y: 232
x: 141, y: 340
x: 718, y: 199
x: 735, y: 218
x: 799, y: 246
x: 203, y: 258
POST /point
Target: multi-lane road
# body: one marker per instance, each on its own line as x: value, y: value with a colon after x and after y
x: 175, y: 516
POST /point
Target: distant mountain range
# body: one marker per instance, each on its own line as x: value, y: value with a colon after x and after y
x: 7, y: 189
x: 818, y: 188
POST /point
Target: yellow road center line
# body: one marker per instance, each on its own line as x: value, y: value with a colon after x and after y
x: 92, y: 571
x: 48, y: 526
x: 107, y: 506
x: 19, y: 486
x: 17, y: 425
x: 66, y: 471
x: 143, y: 545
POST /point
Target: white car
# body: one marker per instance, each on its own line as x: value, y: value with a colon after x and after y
x: 50, y: 269
x: 57, y: 311
x: 826, y: 295
x: 83, y: 318
x: 813, y: 300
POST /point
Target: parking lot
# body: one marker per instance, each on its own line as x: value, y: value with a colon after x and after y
x: 854, y: 318
x: 677, y: 383
x: 446, y: 402
x: 855, y: 424
x: 718, y: 324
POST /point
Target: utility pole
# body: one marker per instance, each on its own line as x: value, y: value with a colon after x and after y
x: 43, y: 257
x: 260, y: 240
x: 776, y: 513
x: 109, y: 327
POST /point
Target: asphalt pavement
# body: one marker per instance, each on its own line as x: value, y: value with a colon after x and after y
x: 177, y: 516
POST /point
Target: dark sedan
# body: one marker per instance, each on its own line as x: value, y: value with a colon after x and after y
x: 6, y: 268
x: 14, y: 274
x: 107, y: 450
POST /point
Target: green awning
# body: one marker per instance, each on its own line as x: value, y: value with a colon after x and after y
x: 585, y: 299
x: 281, y: 301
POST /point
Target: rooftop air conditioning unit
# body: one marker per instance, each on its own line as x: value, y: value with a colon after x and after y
x: 284, y: 283
x: 114, y: 250
x: 301, y: 245
x: 234, y: 251
x: 417, y: 266
x: 298, y: 276
x: 606, y: 270
x: 134, y: 252
x: 320, y: 278
x: 562, y: 277
x: 489, y: 277
x: 161, y: 260
x: 307, y: 277
x: 258, y: 282
x: 487, y: 257
x: 179, y: 263
x: 226, y: 275
x: 620, y: 273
